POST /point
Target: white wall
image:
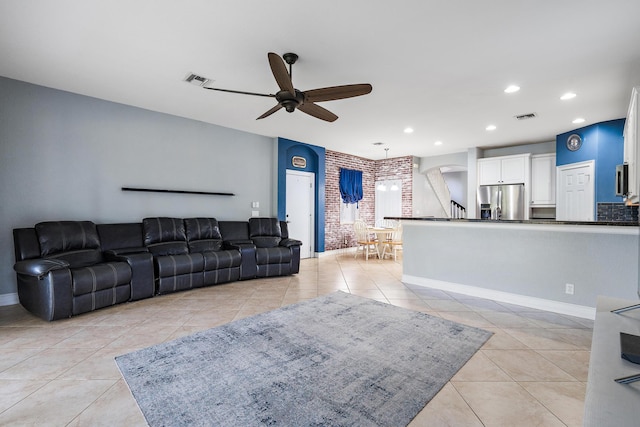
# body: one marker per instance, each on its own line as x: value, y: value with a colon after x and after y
x: 65, y: 157
x: 537, y: 148
x: 532, y: 260
x: 457, y: 183
x: 425, y: 201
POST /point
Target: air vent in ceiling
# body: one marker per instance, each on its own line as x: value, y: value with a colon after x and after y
x: 526, y: 116
x: 195, y: 79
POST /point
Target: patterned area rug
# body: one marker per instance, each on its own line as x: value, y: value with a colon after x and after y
x: 337, y: 360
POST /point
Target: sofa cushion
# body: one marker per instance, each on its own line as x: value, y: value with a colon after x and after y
x: 63, y: 236
x: 206, y: 245
x: 265, y: 232
x: 168, y: 248
x: 277, y: 255
x: 221, y: 259
x: 266, y: 241
x: 202, y: 228
x: 264, y: 227
x: 79, y: 258
x: 175, y: 265
x: 98, y: 277
x: 163, y: 229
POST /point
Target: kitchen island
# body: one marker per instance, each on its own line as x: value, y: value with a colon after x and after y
x: 533, y: 263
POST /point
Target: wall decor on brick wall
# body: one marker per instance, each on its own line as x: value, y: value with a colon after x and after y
x: 339, y: 235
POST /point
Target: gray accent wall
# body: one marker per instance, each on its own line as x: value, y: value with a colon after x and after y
x: 65, y: 157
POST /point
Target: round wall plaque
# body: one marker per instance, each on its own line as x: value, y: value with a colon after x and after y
x: 574, y: 142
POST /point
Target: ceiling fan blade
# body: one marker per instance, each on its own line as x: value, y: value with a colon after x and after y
x: 280, y: 72
x: 337, y: 92
x: 241, y: 92
x: 270, y: 112
x: 317, y: 111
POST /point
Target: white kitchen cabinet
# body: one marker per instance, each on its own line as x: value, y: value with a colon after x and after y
x: 543, y: 180
x: 503, y: 170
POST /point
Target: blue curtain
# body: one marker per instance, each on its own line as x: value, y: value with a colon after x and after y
x: 350, y: 185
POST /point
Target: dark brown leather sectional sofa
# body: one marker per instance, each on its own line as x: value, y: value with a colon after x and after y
x: 65, y: 268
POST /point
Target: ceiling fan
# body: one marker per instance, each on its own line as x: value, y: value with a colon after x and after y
x: 291, y: 98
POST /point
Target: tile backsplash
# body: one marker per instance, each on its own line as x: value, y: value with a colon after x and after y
x: 617, y: 212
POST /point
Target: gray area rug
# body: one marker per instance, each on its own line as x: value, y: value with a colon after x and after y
x: 337, y: 360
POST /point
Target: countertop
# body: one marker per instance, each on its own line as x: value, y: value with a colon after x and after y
x: 529, y: 221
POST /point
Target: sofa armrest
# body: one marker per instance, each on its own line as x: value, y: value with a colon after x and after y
x: 141, y: 264
x: 237, y: 244
x: 39, y: 267
x: 125, y: 251
x: 248, y: 265
x: 287, y: 243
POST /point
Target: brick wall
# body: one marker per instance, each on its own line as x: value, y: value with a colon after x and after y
x: 372, y: 170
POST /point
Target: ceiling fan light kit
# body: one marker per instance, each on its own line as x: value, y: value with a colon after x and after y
x: 290, y: 98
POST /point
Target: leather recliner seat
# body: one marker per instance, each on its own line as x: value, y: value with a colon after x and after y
x: 61, y: 270
x: 220, y: 265
x: 273, y: 253
x: 67, y: 268
x: 175, y: 268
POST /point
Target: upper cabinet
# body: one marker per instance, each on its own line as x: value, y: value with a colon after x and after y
x: 503, y: 170
x: 631, y: 152
x: 543, y: 180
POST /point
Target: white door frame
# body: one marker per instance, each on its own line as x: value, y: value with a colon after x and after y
x: 592, y: 182
x: 311, y: 244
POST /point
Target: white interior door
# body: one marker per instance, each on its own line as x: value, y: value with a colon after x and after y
x: 575, y: 195
x: 300, y: 203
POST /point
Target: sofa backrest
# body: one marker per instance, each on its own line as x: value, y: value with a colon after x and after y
x: 120, y: 236
x: 76, y: 242
x: 234, y: 231
x: 164, y: 236
x: 203, y: 234
x: 265, y: 232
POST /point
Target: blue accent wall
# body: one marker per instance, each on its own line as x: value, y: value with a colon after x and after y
x: 315, y: 163
x: 603, y: 143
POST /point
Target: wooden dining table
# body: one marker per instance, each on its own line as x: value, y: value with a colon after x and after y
x: 383, y: 235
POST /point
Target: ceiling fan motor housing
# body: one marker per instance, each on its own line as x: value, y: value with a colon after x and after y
x: 289, y: 101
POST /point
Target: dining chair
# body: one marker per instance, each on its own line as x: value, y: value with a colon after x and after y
x: 395, y: 244
x: 364, y: 241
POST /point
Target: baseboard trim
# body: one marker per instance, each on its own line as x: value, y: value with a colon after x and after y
x: 335, y: 252
x: 9, y: 299
x: 582, y: 311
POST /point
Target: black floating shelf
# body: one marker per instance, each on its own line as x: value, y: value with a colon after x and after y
x: 153, y: 190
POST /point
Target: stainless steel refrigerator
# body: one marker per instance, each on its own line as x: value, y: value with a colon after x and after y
x: 501, y: 201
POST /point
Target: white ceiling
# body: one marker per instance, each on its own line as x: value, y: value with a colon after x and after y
x: 437, y: 66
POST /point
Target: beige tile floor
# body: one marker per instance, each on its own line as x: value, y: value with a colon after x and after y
x: 533, y: 371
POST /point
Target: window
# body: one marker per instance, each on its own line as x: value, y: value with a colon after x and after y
x: 388, y: 199
x: 350, y: 195
x: 348, y: 212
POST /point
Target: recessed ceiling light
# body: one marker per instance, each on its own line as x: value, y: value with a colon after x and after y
x: 408, y: 130
x: 578, y: 120
x: 491, y: 127
x: 437, y: 143
x: 512, y: 89
x: 568, y: 95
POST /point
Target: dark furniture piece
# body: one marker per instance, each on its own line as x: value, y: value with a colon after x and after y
x: 62, y: 271
x: 66, y: 268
